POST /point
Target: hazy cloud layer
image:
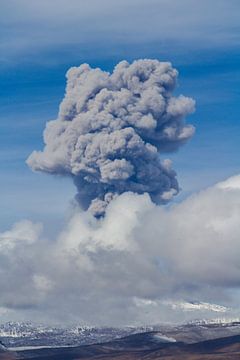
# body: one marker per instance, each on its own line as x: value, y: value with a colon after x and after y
x: 141, y: 263
x: 111, y: 129
x: 33, y: 28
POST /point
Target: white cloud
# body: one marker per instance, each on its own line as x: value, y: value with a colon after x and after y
x: 23, y: 232
x: 233, y: 183
x: 141, y: 263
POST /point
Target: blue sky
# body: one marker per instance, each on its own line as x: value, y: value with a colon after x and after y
x: 41, y: 40
x: 186, y: 252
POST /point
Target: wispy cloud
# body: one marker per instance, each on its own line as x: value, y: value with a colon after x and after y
x: 201, y: 306
x: 31, y: 28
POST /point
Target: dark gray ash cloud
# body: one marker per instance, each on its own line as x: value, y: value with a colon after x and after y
x: 111, y: 130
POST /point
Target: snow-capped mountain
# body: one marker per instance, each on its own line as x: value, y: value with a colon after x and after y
x: 15, y: 334
x: 227, y: 322
x: 198, y: 305
x: 20, y: 334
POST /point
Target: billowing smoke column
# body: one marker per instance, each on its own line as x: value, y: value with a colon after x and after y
x: 111, y: 129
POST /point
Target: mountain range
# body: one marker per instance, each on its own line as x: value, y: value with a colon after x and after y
x: 199, y: 340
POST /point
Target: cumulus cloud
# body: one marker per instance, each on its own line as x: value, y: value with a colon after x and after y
x: 111, y: 129
x: 140, y: 263
x: 22, y: 232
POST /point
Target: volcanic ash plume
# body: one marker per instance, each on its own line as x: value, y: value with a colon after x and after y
x: 111, y: 129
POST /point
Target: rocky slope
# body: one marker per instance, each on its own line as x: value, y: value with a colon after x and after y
x: 143, y: 346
